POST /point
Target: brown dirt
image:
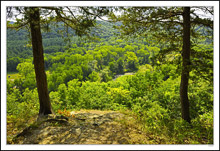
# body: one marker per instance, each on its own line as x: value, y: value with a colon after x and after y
x: 84, y: 127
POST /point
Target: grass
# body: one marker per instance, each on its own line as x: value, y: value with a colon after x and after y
x: 16, y: 125
x: 13, y: 75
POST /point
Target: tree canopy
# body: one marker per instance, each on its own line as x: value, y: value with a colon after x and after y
x: 81, y: 19
x: 173, y: 30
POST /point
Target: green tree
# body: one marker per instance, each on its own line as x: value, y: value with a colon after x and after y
x: 185, y: 63
x: 132, y: 60
x: 120, y: 65
x: 33, y: 20
x: 27, y: 79
x: 112, y: 67
x: 143, y: 56
x: 25, y: 69
x: 173, y: 28
x: 12, y: 64
x: 62, y: 91
x: 105, y: 75
x: 94, y: 76
x: 73, y: 92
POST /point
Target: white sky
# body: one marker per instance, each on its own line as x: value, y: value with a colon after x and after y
x: 198, y: 12
x: 109, y: 3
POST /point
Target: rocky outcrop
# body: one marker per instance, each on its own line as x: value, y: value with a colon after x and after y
x: 83, y: 127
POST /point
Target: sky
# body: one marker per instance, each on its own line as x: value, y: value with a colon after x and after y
x: 199, y: 12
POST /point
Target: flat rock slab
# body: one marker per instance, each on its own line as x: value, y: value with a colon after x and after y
x: 84, y: 127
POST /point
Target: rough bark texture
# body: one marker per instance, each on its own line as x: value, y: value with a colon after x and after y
x: 37, y: 46
x: 186, y: 61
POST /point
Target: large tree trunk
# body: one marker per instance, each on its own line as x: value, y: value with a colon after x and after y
x: 37, y: 46
x: 186, y: 62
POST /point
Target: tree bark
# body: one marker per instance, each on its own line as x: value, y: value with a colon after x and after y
x: 37, y: 46
x: 185, y: 63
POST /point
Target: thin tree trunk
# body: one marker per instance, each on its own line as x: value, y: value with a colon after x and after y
x: 37, y: 46
x: 186, y: 61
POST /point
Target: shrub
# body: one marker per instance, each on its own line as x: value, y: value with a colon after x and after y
x: 120, y: 96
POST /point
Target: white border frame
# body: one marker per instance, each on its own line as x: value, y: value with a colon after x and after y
x: 109, y: 3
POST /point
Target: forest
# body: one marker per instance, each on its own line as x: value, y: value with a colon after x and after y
x: 140, y: 62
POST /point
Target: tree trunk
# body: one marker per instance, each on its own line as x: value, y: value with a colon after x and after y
x: 37, y: 46
x: 185, y: 69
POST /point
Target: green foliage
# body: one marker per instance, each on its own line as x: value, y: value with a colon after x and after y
x: 55, y: 101
x: 73, y: 91
x: 62, y: 93
x: 120, y: 96
x: 153, y: 100
x: 203, y: 127
x: 10, y: 85
x: 12, y: 63
x: 94, y: 76
x: 80, y: 77
x: 201, y: 97
x: 25, y: 69
x: 120, y: 65
x: 202, y: 61
x: 93, y: 96
x: 21, y: 108
x: 105, y: 75
x: 152, y: 115
x: 18, y: 104
x: 26, y: 78
x: 132, y: 61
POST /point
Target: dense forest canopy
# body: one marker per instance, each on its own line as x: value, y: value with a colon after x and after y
x: 151, y: 61
x: 18, y: 46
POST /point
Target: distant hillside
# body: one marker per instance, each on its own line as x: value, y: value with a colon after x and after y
x: 53, y: 41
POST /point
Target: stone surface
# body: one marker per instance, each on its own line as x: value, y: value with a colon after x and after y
x: 85, y: 127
